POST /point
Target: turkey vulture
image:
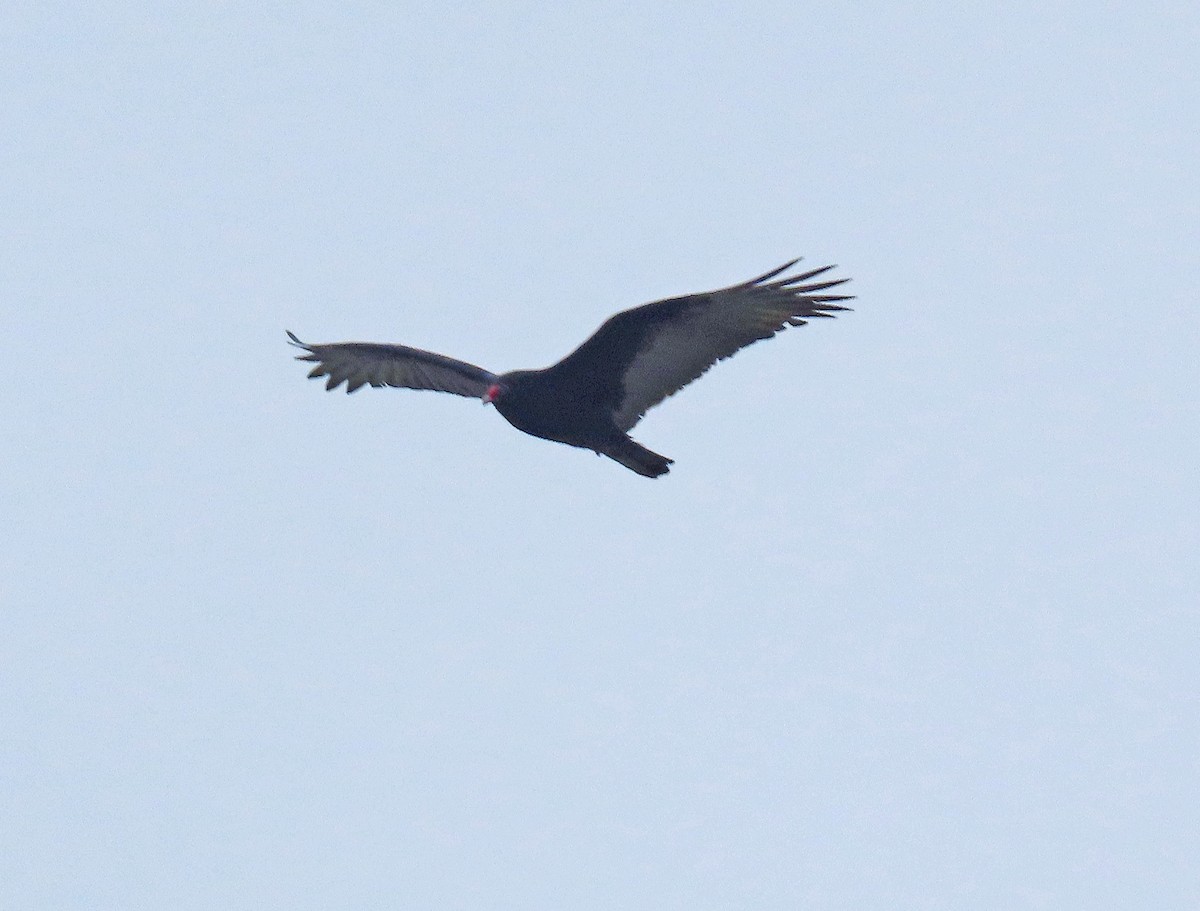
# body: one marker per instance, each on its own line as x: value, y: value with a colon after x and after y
x: 594, y: 396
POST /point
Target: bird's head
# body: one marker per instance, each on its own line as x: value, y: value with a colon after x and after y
x: 508, y: 388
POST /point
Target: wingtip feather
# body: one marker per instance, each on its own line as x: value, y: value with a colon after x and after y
x: 774, y: 272
x: 802, y: 277
x: 819, y: 286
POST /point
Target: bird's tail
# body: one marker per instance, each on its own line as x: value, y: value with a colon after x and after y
x: 637, y: 458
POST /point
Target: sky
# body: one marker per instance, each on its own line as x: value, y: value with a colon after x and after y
x: 912, y: 622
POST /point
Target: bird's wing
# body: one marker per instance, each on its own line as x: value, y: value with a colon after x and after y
x: 641, y: 356
x: 364, y: 363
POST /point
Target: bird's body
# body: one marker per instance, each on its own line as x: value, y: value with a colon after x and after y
x: 594, y: 396
x: 537, y: 403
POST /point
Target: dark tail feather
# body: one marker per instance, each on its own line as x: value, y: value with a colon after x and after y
x: 637, y: 458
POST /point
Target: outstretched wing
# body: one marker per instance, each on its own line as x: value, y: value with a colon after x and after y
x: 364, y: 363
x: 641, y: 356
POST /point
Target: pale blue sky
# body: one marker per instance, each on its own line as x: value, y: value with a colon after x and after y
x: 911, y: 624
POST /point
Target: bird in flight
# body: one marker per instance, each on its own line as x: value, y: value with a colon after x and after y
x: 595, y: 395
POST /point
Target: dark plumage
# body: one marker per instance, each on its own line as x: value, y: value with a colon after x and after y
x: 594, y: 396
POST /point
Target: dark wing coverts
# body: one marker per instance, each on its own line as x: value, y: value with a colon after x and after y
x: 360, y: 364
x: 659, y: 348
